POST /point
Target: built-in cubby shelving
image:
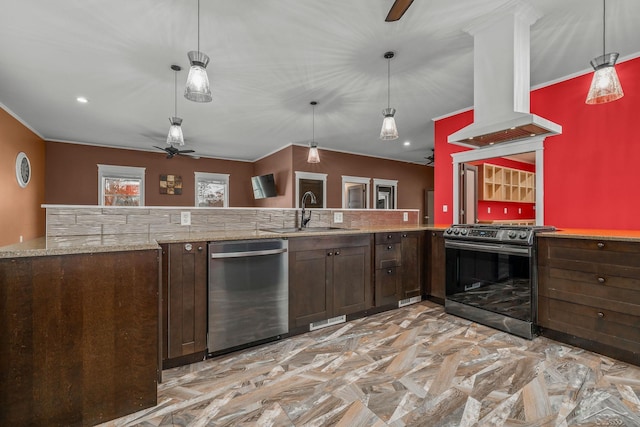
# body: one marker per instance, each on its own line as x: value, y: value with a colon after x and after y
x: 502, y: 184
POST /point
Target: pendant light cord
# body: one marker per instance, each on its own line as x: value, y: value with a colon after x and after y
x: 198, y: 25
x: 604, y: 25
x: 313, y: 124
x: 389, y: 83
x: 175, y: 97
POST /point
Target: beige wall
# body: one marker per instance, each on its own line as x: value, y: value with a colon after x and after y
x: 20, y: 212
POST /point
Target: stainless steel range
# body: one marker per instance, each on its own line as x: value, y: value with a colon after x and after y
x: 491, y: 275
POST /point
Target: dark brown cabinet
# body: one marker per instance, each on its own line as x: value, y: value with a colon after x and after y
x: 589, y: 294
x: 328, y: 276
x: 184, y: 291
x: 435, y: 266
x: 398, y: 266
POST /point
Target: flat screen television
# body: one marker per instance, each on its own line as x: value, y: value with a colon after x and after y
x: 264, y: 186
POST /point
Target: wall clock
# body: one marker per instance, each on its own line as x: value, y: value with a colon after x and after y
x: 23, y: 169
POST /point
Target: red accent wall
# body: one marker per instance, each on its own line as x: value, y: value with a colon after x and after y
x: 589, y: 171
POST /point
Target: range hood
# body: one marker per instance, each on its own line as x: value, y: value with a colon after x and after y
x: 501, y: 84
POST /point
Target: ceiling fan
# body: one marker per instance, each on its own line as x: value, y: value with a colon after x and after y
x: 173, y: 151
x: 397, y: 10
x: 431, y: 159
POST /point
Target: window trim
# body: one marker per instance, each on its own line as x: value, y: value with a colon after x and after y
x: 388, y: 182
x: 115, y: 171
x: 316, y: 176
x: 356, y: 180
x: 210, y: 176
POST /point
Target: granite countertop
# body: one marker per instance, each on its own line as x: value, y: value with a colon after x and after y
x: 595, y: 234
x: 130, y: 242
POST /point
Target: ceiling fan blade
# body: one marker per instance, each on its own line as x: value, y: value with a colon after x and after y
x: 160, y: 148
x: 186, y: 151
x: 397, y: 10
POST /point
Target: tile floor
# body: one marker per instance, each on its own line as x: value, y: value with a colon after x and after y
x: 415, y: 366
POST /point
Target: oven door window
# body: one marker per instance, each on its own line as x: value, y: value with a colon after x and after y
x: 495, y: 281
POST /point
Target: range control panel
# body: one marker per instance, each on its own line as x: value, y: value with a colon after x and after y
x: 513, y: 234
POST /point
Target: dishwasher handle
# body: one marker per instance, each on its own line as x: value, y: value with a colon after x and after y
x: 245, y: 254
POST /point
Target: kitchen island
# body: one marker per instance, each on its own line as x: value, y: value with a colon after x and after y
x: 81, y: 323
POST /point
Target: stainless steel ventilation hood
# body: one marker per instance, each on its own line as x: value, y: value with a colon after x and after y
x: 501, y: 83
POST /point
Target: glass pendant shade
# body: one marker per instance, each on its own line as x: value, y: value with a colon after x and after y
x: 197, y: 88
x: 175, y: 136
x: 605, y: 85
x: 389, y: 130
x: 314, y: 156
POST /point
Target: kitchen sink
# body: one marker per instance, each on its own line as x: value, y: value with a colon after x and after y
x: 304, y: 230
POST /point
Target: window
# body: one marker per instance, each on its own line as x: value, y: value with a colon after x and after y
x: 120, y: 185
x: 355, y: 192
x: 212, y: 190
x: 314, y: 182
x: 386, y: 193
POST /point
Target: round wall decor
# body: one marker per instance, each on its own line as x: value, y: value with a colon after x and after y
x: 23, y: 169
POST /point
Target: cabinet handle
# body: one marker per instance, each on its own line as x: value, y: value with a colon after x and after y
x: 337, y: 253
x: 389, y: 247
x: 601, y: 279
x: 600, y: 245
x: 188, y: 247
x: 600, y: 314
x: 389, y: 271
x: 389, y: 236
x: 200, y: 248
x: 329, y: 253
x: 404, y: 235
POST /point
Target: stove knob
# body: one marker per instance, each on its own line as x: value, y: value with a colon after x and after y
x: 512, y: 234
x: 523, y: 235
x: 464, y: 231
x: 456, y: 231
x: 449, y: 231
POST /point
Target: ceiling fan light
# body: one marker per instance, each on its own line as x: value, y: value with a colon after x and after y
x: 175, y: 136
x: 389, y: 129
x: 605, y: 85
x: 197, y: 87
x: 314, y: 156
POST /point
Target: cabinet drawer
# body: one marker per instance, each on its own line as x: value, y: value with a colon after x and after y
x: 388, y: 255
x: 561, y: 251
x: 605, y: 326
x: 382, y: 238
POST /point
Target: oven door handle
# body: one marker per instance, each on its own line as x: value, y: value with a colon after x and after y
x: 488, y: 247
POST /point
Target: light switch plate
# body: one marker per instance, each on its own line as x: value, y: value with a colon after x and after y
x: 405, y: 216
x: 337, y: 217
x: 185, y: 218
x: 445, y: 208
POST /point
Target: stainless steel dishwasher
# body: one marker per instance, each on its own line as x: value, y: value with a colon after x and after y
x: 248, y: 293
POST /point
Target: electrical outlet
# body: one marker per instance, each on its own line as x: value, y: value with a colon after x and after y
x: 519, y: 210
x: 185, y: 218
x: 405, y: 216
x: 488, y: 209
x: 337, y: 217
x: 21, y: 240
x: 445, y: 208
x: 505, y: 210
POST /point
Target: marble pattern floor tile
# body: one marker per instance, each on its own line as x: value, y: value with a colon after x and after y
x: 414, y: 366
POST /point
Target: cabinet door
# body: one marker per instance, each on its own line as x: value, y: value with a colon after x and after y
x: 387, y: 286
x: 309, y: 298
x: 436, y: 266
x: 186, y: 299
x: 411, y: 273
x: 350, y: 275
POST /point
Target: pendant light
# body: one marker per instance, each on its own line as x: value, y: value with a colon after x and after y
x: 197, y: 88
x: 175, y: 136
x: 314, y: 156
x: 605, y: 85
x: 389, y: 130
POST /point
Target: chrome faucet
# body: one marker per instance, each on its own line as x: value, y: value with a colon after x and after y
x: 304, y: 221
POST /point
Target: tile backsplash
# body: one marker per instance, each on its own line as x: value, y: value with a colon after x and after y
x: 81, y: 220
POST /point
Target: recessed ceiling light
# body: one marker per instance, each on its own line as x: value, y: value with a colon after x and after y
x: 82, y: 100
x: 407, y: 143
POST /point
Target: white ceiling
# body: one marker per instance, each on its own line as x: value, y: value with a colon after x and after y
x: 269, y: 59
